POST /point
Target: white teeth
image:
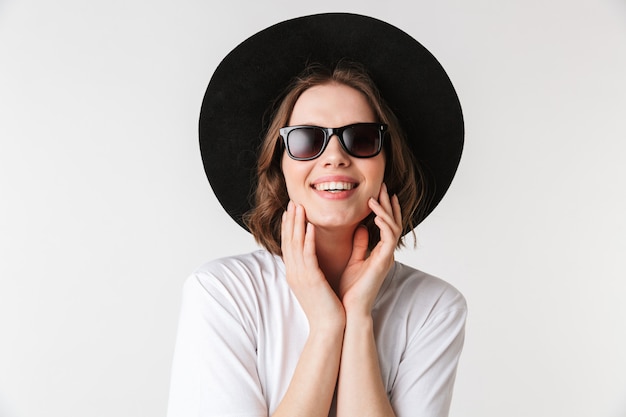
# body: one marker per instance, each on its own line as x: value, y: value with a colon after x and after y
x: 334, y: 186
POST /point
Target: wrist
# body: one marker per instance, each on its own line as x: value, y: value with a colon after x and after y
x: 329, y: 327
x: 359, y: 318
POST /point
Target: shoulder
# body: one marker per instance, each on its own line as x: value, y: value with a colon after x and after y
x: 426, y: 287
x: 411, y: 292
x: 237, y: 279
x: 246, y: 263
x: 247, y: 269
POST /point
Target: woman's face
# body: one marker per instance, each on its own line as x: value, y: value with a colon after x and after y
x: 358, y: 179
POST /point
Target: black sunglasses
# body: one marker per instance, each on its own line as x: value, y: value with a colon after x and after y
x: 361, y: 140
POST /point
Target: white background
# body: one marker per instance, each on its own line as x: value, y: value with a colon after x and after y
x: 105, y: 209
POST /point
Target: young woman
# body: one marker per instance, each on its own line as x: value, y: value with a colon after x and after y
x: 323, y: 321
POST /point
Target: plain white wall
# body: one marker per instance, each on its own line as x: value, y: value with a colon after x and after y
x: 105, y: 210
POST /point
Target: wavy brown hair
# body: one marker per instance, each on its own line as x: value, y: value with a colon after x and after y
x: 271, y: 198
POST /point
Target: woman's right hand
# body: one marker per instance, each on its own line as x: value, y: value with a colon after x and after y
x: 321, y: 305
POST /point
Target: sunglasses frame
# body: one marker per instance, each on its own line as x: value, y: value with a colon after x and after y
x: 329, y: 132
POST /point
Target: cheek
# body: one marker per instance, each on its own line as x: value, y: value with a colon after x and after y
x: 376, y: 169
x: 377, y: 175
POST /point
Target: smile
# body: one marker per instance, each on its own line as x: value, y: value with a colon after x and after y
x: 334, y: 186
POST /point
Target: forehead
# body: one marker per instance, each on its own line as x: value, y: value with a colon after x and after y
x: 331, y: 105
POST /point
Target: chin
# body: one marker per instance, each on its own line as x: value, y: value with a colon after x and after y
x: 338, y: 221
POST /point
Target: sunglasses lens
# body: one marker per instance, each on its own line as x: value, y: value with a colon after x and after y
x: 305, y: 142
x: 362, y: 140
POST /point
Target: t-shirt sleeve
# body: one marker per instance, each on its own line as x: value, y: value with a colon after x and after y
x: 427, y: 369
x: 214, y: 369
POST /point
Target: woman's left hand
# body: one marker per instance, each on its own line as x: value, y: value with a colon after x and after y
x: 364, y: 275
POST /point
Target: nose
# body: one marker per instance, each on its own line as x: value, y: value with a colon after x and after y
x: 334, y: 154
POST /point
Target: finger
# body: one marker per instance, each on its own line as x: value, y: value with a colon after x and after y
x: 392, y: 213
x: 383, y: 198
x: 309, y: 244
x: 287, y: 224
x: 309, y: 255
x: 290, y: 245
x: 389, y: 229
x: 380, y: 211
x: 299, y: 224
x: 397, y: 210
x: 386, y: 231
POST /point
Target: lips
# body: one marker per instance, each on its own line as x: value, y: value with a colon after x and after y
x: 334, y: 186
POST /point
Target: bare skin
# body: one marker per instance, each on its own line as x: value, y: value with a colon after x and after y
x: 328, y: 266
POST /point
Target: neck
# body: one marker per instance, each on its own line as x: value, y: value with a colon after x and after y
x: 333, y: 249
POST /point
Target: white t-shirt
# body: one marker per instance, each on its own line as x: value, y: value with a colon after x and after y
x: 241, y: 332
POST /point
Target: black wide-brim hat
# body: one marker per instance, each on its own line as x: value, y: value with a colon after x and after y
x: 251, y: 77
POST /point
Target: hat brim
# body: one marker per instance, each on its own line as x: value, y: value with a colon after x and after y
x: 255, y: 73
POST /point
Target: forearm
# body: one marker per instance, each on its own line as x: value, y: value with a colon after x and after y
x: 312, y: 386
x: 361, y: 391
